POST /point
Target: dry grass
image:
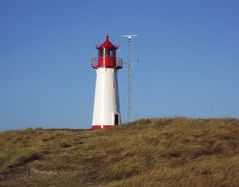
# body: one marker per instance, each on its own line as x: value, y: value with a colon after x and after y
x: 149, y: 152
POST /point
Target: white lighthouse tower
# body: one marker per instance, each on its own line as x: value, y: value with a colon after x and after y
x: 106, y: 111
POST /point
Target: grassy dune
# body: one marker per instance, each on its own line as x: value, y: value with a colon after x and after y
x: 149, y: 152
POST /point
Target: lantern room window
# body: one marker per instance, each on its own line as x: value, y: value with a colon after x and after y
x: 107, y: 53
x: 112, y: 53
x: 100, y: 53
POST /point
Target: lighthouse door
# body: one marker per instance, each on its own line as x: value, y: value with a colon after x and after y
x: 116, y: 119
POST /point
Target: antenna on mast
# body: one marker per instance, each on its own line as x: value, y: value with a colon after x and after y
x: 129, y: 65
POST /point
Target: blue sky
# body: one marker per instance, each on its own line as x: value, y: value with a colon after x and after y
x: 188, y: 52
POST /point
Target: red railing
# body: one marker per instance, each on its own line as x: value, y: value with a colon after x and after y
x: 118, y: 63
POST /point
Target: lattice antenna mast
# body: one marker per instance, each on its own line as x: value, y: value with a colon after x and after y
x: 129, y: 65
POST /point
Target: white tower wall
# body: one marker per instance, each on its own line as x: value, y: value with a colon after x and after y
x: 106, y: 102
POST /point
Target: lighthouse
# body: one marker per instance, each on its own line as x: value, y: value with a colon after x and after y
x: 106, y: 112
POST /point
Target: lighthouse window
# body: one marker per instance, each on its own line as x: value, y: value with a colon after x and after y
x: 112, y: 53
x: 100, y: 53
x: 106, y: 53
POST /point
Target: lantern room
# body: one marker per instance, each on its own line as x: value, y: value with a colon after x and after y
x: 106, y: 56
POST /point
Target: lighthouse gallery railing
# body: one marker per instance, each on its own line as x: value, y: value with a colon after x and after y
x: 118, y: 63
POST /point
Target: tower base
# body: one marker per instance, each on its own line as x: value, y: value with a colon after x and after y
x: 101, y: 126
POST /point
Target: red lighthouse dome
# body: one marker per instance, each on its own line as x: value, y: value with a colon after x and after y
x: 107, y: 44
x: 106, y: 56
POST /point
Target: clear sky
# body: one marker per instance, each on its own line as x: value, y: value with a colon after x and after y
x: 188, y: 52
